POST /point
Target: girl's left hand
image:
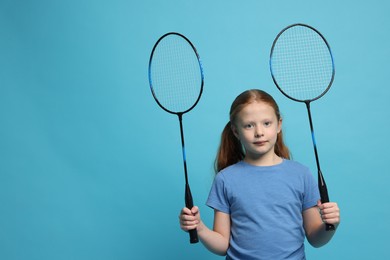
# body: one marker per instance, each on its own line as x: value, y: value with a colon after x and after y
x: 330, y: 212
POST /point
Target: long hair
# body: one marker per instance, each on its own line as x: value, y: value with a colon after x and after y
x: 230, y: 150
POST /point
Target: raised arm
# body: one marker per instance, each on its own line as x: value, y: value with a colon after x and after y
x: 314, y: 220
x: 216, y: 240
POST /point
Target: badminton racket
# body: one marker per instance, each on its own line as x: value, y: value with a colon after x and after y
x: 176, y: 82
x: 302, y: 68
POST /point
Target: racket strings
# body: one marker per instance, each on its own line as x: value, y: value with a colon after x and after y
x: 301, y: 63
x: 176, y: 75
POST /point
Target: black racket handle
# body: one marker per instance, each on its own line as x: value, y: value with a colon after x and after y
x: 189, y: 204
x: 193, y: 236
x: 330, y: 227
x: 324, y: 198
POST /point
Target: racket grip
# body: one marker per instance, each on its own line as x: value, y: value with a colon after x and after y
x: 189, y: 204
x: 193, y: 236
x: 324, y: 198
x: 329, y: 227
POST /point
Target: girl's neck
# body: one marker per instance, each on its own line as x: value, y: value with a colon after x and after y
x: 264, y: 161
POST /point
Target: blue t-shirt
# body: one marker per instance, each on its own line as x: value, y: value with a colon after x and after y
x: 265, y: 204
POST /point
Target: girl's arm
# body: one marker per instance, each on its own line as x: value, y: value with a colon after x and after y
x: 216, y: 240
x: 314, y: 220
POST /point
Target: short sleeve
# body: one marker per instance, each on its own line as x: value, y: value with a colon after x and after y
x: 218, y: 198
x: 311, y: 195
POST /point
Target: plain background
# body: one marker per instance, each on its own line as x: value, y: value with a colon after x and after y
x: 91, y: 167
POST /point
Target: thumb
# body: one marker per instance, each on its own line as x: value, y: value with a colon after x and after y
x: 194, y: 210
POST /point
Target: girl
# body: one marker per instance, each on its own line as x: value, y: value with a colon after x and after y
x: 264, y: 204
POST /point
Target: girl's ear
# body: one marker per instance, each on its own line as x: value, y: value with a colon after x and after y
x: 234, y: 130
x: 280, y: 125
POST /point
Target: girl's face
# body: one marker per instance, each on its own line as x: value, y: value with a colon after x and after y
x: 257, y: 127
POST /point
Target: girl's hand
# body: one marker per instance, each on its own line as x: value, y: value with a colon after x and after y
x: 330, y: 212
x: 189, y: 219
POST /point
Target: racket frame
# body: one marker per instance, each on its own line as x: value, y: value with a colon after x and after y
x: 150, y: 71
x: 330, y: 52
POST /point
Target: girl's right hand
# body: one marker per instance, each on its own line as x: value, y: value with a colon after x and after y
x: 189, y: 219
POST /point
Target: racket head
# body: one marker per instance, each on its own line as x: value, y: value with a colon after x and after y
x: 301, y: 63
x: 175, y: 73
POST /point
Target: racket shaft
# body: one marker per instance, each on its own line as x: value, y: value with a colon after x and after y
x: 321, y: 182
x: 188, y: 195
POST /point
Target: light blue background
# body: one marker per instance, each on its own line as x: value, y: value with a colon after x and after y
x: 90, y: 166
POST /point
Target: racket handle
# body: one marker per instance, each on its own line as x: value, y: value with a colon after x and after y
x: 193, y: 236
x: 329, y: 227
x: 324, y: 197
x: 189, y: 204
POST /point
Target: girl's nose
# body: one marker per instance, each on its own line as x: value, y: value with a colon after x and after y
x: 258, y: 133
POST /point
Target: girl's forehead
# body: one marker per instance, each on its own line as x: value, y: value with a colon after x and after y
x: 256, y: 111
x: 257, y: 107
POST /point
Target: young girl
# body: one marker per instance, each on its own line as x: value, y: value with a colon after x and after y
x: 264, y: 204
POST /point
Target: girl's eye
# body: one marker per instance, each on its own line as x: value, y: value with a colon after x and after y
x: 248, y: 126
x: 267, y: 123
